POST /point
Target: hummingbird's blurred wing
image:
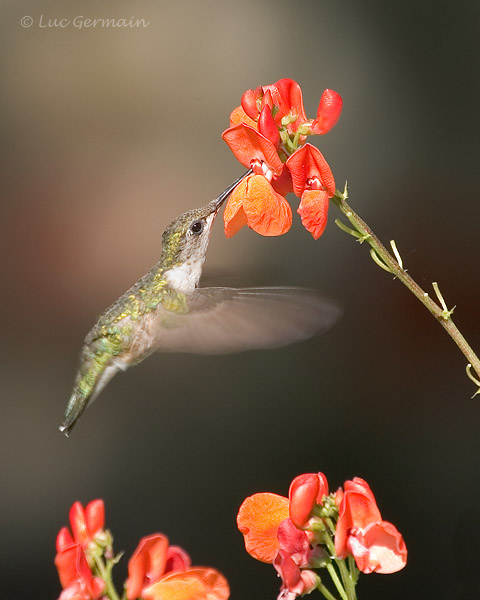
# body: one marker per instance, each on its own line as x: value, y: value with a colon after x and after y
x: 223, y: 320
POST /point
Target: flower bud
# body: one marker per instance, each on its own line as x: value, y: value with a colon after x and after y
x: 306, y: 491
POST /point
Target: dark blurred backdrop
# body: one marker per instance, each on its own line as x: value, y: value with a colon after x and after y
x: 108, y: 134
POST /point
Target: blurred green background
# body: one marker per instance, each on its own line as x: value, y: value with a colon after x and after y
x: 108, y: 134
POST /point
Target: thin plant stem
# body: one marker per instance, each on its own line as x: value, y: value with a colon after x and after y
x: 347, y: 578
x: 106, y: 574
x: 336, y: 581
x: 325, y: 591
x: 385, y: 259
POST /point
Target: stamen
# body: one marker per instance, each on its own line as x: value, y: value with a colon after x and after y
x: 314, y: 183
x: 267, y: 172
x: 256, y: 166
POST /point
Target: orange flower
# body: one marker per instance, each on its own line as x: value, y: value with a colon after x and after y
x: 255, y: 203
x: 271, y: 536
x: 158, y: 571
x: 198, y: 583
x: 259, y: 518
x: 267, y: 134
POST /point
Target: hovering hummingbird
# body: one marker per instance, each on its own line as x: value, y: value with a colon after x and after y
x: 166, y: 311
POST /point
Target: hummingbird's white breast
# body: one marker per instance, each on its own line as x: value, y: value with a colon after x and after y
x: 186, y: 276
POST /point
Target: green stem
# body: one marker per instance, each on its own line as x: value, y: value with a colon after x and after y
x: 441, y: 315
x: 336, y: 581
x: 348, y: 580
x: 325, y: 591
x: 105, y: 572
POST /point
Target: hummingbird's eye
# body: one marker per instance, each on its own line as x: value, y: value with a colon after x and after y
x: 196, y: 227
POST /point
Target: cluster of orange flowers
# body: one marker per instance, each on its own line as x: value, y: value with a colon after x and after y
x: 268, y: 134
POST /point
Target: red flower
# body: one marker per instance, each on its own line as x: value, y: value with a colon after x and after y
x: 375, y: 544
x: 306, y: 491
x: 265, y: 134
x: 75, y: 574
x: 284, y: 96
x: 85, y: 523
x: 249, y: 147
x: 158, y: 571
x: 76, y: 578
x: 298, y: 544
x: 287, y: 98
x: 313, y: 182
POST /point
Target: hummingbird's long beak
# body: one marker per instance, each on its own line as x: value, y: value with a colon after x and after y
x: 224, y: 195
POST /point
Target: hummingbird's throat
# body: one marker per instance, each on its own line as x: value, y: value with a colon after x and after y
x: 185, y: 277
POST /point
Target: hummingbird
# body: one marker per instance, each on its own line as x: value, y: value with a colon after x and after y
x: 166, y: 311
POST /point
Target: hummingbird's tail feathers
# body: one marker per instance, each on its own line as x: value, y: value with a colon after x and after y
x: 224, y: 320
x: 94, y: 376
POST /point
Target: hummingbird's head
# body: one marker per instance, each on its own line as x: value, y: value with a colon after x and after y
x: 185, y: 242
x: 187, y: 237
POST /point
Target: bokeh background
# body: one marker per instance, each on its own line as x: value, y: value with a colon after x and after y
x: 107, y: 135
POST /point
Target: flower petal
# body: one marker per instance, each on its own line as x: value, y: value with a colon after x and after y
x: 238, y: 116
x: 194, y: 584
x: 64, y: 539
x: 258, y: 519
x: 306, y: 491
x: 177, y: 559
x: 294, y: 541
x: 255, y: 203
x: 283, y: 184
x: 313, y: 210
x: 78, y: 524
x: 74, y: 572
x: 247, y: 144
x: 329, y: 111
x: 182, y: 587
x: 287, y: 96
x: 358, y: 508
x: 359, y: 485
x: 95, y: 516
x: 267, y: 212
x: 306, y: 163
x: 378, y: 548
x: 147, y: 564
x: 249, y: 102
x: 267, y: 127
x: 234, y: 216
x: 289, y: 572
